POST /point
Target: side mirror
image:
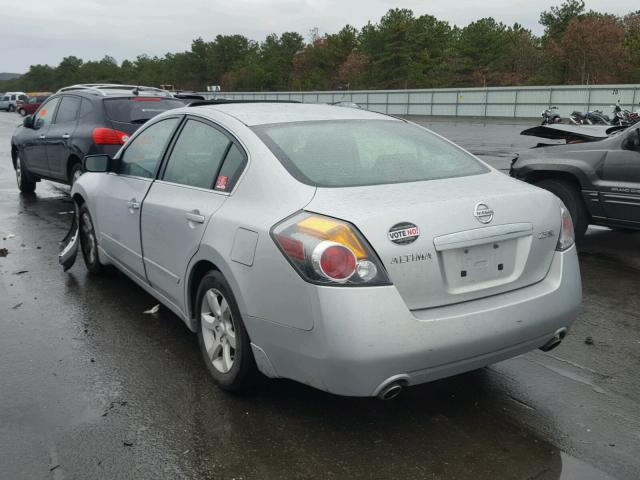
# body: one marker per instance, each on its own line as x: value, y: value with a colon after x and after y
x: 28, y: 121
x: 96, y: 163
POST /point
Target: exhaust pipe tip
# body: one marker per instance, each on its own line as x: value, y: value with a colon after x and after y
x: 555, y: 340
x: 391, y: 391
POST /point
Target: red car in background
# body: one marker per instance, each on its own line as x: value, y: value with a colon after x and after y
x: 29, y: 106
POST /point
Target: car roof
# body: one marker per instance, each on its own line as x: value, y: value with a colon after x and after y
x: 264, y: 113
x: 115, y: 90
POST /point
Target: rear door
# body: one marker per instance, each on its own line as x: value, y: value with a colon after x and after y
x: 59, y: 136
x: 179, y: 206
x: 620, y: 189
x: 35, y: 149
x: 121, y: 195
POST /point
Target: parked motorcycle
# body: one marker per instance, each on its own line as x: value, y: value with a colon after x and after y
x: 551, y: 116
x: 624, y: 117
x: 595, y: 117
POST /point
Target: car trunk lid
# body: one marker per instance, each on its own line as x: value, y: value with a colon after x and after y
x: 460, y: 239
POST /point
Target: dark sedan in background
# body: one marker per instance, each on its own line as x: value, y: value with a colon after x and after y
x: 78, y: 121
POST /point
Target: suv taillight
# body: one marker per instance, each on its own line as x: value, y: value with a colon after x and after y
x: 109, y: 136
x: 328, y: 251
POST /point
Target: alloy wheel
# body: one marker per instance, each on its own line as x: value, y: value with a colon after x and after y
x: 76, y: 175
x: 218, y: 330
x: 89, y: 244
x: 19, y: 173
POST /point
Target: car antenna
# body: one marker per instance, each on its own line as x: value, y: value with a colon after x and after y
x: 136, y: 91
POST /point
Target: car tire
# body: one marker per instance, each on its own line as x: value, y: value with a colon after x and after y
x: 75, y: 173
x: 22, y: 112
x: 572, y: 199
x: 26, y: 183
x: 222, y: 336
x: 89, y: 242
x: 11, y: 108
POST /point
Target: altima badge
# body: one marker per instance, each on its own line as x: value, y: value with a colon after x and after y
x: 483, y: 213
x: 404, y: 233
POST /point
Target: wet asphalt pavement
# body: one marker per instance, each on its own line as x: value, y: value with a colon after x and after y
x: 90, y: 387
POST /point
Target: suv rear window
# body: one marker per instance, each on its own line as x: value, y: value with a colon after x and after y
x: 338, y: 153
x: 138, y: 109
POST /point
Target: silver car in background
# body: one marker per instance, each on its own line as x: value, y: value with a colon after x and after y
x: 345, y: 249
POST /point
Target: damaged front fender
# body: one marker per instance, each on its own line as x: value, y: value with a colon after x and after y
x: 71, y: 242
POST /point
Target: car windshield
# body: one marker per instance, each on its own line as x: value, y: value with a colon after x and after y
x: 138, y: 109
x: 364, y: 152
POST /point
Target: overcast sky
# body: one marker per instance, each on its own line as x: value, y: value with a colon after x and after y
x: 45, y: 31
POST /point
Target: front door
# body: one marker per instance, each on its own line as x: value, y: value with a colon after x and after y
x: 121, y: 195
x: 620, y: 188
x: 35, y: 150
x: 179, y: 206
x: 59, y: 136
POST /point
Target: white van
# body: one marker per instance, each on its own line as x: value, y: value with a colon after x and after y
x: 8, y: 100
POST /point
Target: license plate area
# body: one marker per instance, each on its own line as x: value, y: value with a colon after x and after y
x: 480, y: 266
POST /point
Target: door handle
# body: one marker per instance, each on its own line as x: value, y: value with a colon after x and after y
x: 133, y: 204
x: 66, y: 136
x: 42, y: 137
x: 194, y: 216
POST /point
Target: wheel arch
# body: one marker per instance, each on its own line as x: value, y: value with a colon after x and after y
x: 206, y: 260
x: 71, y: 161
x: 535, y: 176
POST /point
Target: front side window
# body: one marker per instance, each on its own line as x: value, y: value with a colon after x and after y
x: 44, y: 115
x: 337, y: 153
x: 144, y: 152
x: 68, y: 110
x: 197, y: 155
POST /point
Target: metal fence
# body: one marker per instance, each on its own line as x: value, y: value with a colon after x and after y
x: 514, y: 102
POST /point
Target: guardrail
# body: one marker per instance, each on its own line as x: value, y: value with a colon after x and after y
x: 514, y: 102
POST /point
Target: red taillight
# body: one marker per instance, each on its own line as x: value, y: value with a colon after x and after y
x: 328, y: 251
x: 334, y: 261
x: 292, y: 247
x: 146, y: 99
x: 109, y: 136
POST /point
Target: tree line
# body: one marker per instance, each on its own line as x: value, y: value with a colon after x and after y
x: 402, y: 50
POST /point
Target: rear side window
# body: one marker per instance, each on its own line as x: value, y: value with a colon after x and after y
x: 68, y: 110
x: 337, y: 153
x: 231, y: 170
x: 85, y: 108
x: 197, y: 155
x: 143, y: 153
x: 138, y: 109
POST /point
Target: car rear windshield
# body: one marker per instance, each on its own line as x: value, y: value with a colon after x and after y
x: 364, y: 152
x: 138, y: 109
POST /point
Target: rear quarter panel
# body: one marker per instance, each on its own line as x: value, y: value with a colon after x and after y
x: 269, y: 288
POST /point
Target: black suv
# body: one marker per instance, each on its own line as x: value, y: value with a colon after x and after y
x: 599, y: 182
x: 77, y: 121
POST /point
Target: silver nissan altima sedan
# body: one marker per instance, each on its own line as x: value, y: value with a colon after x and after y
x: 348, y: 250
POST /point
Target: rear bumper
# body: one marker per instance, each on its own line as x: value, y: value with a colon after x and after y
x: 365, y: 337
